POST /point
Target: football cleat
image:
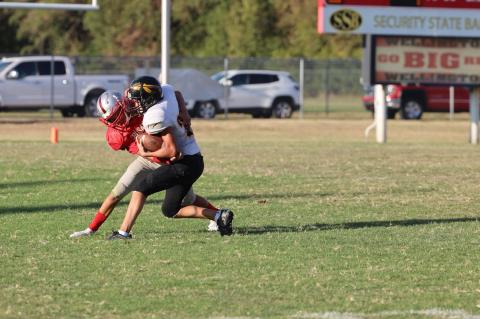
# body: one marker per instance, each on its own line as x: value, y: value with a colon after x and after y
x: 212, y: 226
x: 116, y: 235
x: 224, y: 222
x: 82, y: 233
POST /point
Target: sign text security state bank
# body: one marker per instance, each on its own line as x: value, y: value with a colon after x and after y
x: 400, y: 21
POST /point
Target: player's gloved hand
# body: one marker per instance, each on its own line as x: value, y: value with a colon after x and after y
x: 82, y: 233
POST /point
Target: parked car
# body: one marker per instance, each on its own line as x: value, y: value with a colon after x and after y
x: 261, y: 93
x: 200, y: 92
x: 25, y: 84
x: 412, y: 101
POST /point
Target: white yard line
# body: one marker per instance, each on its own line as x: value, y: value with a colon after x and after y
x: 434, y: 313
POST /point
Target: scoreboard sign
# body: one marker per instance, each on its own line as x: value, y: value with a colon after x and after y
x: 425, y: 60
x: 380, y: 19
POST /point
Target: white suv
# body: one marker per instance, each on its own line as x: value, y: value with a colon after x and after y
x: 262, y: 93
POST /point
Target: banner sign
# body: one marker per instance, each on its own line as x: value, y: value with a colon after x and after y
x: 384, y: 20
x: 425, y: 60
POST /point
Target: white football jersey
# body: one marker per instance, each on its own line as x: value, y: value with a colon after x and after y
x: 164, y: 114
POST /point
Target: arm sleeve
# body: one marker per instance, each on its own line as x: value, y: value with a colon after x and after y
x: 132, y: 148
x: 155, y: 122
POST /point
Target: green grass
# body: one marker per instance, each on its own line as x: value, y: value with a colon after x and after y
x: 327, y: 221
x: 333, y: 104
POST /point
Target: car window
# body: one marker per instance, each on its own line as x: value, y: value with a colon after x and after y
x: 218, y: 76
x: 262, y: 78
x: 44, y: 68
x: 3, y: 65
x: 239, y: 79
x: 26, y: 69
x: 60, y: 68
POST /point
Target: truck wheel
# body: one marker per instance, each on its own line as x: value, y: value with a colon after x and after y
x: 80, y: 111
x: 391, y: 114
x: 90, y: 105
x: 282, y: 109
x: 262, y: 114
x: 205, y: 110
x: 67, y: 112
x: 412, y: 109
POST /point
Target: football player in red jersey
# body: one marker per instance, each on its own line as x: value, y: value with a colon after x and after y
x: 124, y: 124
x: 159, y: 105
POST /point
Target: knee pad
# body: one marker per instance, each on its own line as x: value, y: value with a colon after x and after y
x: 120, y: 190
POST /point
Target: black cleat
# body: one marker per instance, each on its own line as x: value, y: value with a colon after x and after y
x: 224, y: 222
x: 116, y: 235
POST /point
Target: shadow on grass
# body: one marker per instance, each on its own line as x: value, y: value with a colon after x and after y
x: 49, y: 208
x: 49, y: 182
x: 263, y: 199
x: 355, y: 225
x: 95, y: 205
x: 72, y: 207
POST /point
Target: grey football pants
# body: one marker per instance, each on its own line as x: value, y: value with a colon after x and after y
x: 135, y: 174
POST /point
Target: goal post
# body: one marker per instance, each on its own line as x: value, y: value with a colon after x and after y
x: 50, y: 6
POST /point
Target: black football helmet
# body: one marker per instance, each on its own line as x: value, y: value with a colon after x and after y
x: 146, y: 90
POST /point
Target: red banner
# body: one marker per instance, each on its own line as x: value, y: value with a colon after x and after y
x: 421, y: 60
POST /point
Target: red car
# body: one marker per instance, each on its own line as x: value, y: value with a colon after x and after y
x: 412, y: 101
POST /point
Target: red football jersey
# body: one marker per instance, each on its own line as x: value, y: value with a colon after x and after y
x: 124, y: 138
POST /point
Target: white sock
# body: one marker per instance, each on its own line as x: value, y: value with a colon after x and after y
x: 123, y: 233
x: 217, y: 215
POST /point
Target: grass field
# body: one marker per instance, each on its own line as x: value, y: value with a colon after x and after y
x: 328, y: 224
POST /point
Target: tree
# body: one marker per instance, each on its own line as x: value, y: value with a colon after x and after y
x: 50, y: 32
x: 251, y: 29
x: 8, y: 41
x: 125, y: 28
x: 298, y: 33
x: 234, y: 28
x: 197, y: 27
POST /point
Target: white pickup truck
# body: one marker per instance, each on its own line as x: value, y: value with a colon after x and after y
x: 26, y: 84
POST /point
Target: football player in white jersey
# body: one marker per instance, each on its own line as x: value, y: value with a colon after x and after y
x: 115, y: 112
x: 160, y: 110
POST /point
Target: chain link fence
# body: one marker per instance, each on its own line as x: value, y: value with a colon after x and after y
x: 330, y: 85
